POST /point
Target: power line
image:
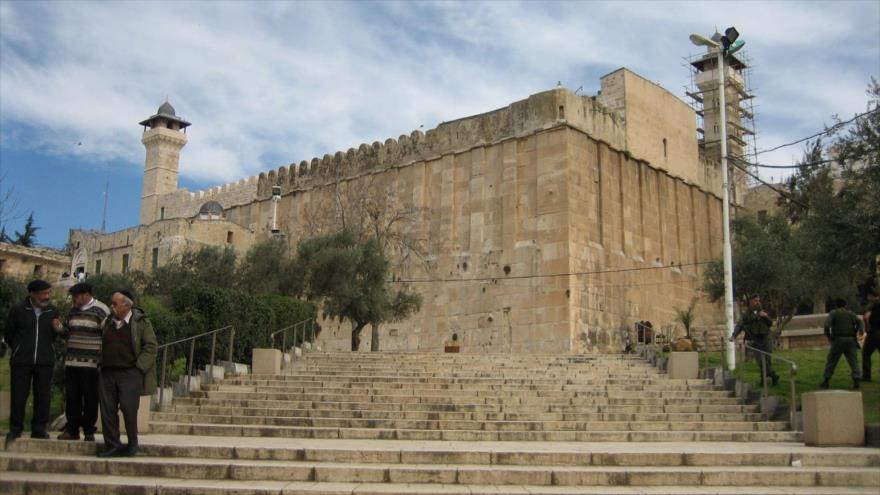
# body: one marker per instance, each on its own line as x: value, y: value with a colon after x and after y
x: 836, y: 127
x: 762, y: 181
x: 549, y: 275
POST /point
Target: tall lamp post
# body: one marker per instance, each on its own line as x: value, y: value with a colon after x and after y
x: 728, y: 44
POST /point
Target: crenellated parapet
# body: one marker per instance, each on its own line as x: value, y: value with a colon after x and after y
x: 541, y: 111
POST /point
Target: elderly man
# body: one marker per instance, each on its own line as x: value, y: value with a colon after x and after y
x: 30, y: 331
x: 83, y: 331
x: 128, y: 370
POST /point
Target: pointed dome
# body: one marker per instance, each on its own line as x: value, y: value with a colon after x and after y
x: 166, y: 109
x: 165, y: 113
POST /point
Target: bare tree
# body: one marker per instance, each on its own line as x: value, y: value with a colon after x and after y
x: 10, y: 207
x: 370, y: 209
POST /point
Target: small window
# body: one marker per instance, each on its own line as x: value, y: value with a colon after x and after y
x: 97, y: 267
x: 125, y: 263
x: 664, y: 147
x: 38, y: 270
x: 77, y: 244
x: 561, y: 112
x: 155, y: 258
x: 2, y: 265
x: 162, y: 213
x: 228, y: 237
x: 762, y: 215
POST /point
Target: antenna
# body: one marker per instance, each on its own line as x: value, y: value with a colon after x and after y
x: 106, y: 196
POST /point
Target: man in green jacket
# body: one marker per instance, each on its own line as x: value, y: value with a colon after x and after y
x: 128, y: 370
x: 841, y: 328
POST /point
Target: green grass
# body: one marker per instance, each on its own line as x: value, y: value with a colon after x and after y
x: 56, y: 407
x: 811, y: 366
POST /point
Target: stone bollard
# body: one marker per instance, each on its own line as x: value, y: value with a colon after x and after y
x: 683, y: 365
x: 833, y: 417
x: 266, y: 362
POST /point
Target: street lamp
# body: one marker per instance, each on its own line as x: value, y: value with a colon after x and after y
x: 729, y: 44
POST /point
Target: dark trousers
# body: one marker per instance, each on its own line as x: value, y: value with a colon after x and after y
x: 120, y: 391
x: 22, y: 379
x: 872, y: 343
x: 846, y: 346
x: 81, y: 404
x: 766, y: 345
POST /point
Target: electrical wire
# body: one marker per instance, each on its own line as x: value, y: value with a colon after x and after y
x: 836, y: 127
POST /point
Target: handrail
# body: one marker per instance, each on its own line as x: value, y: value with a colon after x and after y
x: 792, y: 371
x: 295, y: 327
x: 192, y: 347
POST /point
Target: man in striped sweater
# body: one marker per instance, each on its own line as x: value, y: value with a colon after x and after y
x: 83, y: 331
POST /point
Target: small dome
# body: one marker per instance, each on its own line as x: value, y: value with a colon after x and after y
x: 166, y: 109
x: 211, y: 208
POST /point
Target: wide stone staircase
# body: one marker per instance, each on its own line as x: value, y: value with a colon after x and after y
x: 446, y: 423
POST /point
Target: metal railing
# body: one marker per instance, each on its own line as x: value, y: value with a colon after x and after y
x: 792, y: 373
x: 300, y: 329
x: 190, y: 361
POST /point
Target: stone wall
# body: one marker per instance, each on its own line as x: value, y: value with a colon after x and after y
x: 505, y: 222
x: 170, y: 237
x: 29, y: 263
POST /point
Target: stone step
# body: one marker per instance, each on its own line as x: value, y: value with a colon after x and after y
x: 483, y: 407
x: 624, y: 385
x: 404, y: 424
x: 545, y: 454
x: 467, y: 474
x: 605, y: 435
x: 519, y: 399
x: 508, y: 425
x: 476, y: 416
x: 398, y: 389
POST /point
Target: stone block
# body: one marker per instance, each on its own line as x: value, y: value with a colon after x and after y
x: 833, y: 417
x: 266, y: 362
x: 683, y: 365
x: 143, y: 416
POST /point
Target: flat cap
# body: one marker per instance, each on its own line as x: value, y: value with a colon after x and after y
x: 81, y: 288
x: 38, y: 285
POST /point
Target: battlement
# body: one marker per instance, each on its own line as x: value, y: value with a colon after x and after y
x: 540, y: 111
x: 543, y: 110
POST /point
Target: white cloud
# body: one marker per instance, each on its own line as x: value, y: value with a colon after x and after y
x: 271, y: 83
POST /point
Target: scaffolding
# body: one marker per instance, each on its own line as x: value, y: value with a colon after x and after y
x: 740, y: 102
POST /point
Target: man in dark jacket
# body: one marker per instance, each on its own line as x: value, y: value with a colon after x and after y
x: 841, y: 327
x: 31, y: 327
x: 83, y: 332
x: 128, y: 370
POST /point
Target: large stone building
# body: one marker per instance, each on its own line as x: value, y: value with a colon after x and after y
x: 549, y: 225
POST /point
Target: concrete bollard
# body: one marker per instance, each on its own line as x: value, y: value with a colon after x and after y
x: 266, y: 362
x: 683, y: 365
x: 833, y: 417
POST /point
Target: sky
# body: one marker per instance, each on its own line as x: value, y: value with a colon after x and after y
x: 267, y: 84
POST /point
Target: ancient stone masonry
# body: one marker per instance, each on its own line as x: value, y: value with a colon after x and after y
x: 549, y: 225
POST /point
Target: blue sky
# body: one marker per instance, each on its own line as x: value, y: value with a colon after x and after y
x: 266, y: 84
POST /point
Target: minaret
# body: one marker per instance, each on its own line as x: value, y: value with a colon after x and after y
x: 740, y: 124
x: 163, y: 140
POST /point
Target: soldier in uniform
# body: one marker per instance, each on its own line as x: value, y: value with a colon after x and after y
x: 841, y: 328
x: 756, y: 325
